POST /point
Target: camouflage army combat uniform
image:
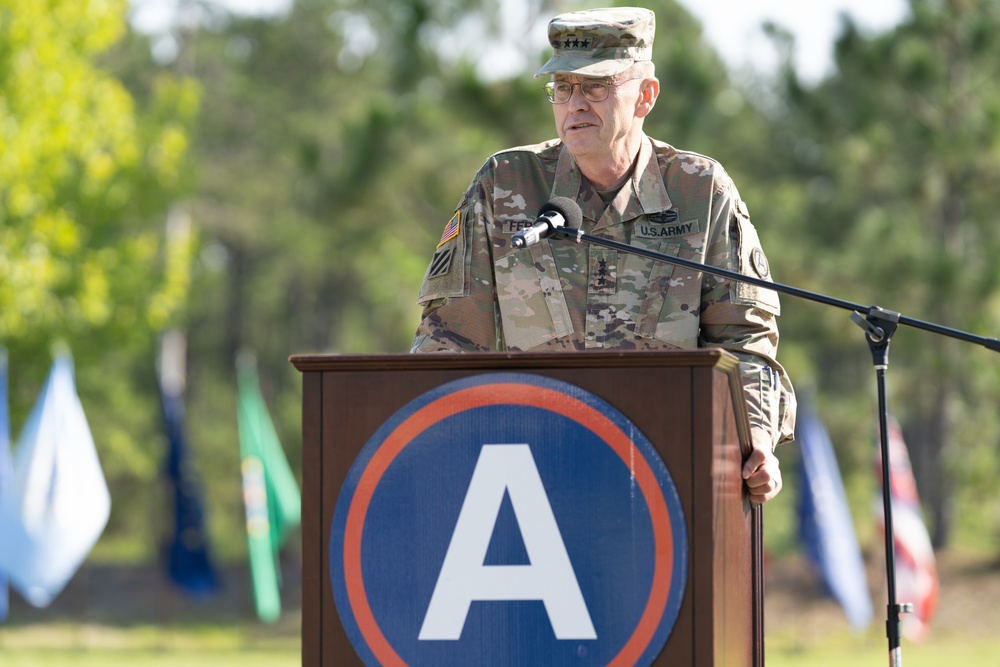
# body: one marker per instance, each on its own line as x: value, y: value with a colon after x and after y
x: 479, y: 293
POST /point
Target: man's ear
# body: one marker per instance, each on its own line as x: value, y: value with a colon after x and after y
x: 649, y: 90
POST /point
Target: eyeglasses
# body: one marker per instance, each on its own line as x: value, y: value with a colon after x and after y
x: 595, y: 90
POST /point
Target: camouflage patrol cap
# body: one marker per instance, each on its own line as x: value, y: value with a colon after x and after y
x: 600, y: 42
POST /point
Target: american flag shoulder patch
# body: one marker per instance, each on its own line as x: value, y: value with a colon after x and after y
x: 451, y: 229
x: 441, y: 263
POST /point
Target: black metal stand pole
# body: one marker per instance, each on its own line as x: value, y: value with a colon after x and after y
x: 879, y: 324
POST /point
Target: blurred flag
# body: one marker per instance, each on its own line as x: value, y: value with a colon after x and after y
x: 4, y: 467
x: 189, y: 563
x: 270, y: 492
x: 58, y: 502
x: 825, y: 526
x: 916, y: 570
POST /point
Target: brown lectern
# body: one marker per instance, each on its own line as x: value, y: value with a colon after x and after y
x: 688, y: 404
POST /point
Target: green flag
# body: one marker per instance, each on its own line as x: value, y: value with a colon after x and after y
x: 270, y: 492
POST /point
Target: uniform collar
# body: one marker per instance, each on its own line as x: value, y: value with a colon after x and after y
x: 642, y: 194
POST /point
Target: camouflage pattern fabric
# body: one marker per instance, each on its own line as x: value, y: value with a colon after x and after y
x: 600, y: 42
x: 481, y: 294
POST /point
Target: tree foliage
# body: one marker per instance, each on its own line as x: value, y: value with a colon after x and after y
x: 898, y: 151
x: 78, y: 167
x: 85, y: 179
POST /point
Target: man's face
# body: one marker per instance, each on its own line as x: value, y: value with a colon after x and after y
x: 596, y: 129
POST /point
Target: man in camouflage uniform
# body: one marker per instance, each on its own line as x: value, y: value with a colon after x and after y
x: 480, y: 293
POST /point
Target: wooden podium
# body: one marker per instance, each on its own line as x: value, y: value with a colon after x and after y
x: 688, y: 404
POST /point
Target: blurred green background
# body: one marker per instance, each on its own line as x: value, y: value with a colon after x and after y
x: 278, y: 183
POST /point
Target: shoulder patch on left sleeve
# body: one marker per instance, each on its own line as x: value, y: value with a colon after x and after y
x: 452, y: 229
x: 447, y: 273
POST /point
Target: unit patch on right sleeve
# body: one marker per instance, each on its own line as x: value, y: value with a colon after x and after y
x: 759, y: 263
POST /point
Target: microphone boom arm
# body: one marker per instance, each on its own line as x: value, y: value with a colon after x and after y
x: 578, y: 236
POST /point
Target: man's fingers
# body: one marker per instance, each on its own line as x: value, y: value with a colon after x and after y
x: 762, y: 474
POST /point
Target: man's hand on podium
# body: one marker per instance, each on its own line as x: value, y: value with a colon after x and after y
x: 762, y: 475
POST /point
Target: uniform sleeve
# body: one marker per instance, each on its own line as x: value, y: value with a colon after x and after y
x: 458, y: 296
x: 742, y: 319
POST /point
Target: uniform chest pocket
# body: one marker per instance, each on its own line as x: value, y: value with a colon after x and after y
x: 666, y: 297
x: 532, y: 305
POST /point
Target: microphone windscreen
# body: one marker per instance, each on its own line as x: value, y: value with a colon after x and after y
x: 567, y: 208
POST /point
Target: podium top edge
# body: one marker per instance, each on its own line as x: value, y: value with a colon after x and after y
x: 702, y: 357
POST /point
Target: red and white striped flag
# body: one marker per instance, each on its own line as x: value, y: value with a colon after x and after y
x: 916, y: 571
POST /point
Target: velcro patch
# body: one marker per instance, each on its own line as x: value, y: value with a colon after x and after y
x: 658, y: 230
x: 451, y: 229
x: 441, y: 263
x: 752, y: 260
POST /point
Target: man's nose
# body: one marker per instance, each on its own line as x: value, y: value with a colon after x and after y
x: 577, y: 100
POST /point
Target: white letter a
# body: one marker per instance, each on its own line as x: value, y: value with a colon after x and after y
x: 464, y: 577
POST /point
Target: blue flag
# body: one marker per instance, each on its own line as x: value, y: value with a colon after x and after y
x: 58, y: 503
x: 825, y: 525
x: 189, y: 562
x: 4, y: 467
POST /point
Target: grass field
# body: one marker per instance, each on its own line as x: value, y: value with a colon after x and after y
x: 90, y: 646
x: 804, y: 628
x: 127, y: 615
x: 225, y: 647
x: 840, y: 650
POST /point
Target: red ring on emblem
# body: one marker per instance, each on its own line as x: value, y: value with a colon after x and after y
x: 511, y: 394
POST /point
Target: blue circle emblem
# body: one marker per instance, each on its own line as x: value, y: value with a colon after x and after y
x: 508, y: 519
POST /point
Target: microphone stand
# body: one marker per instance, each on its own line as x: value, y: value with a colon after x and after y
x: 878, y: 324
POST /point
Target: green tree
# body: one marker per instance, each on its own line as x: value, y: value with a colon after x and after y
x: 898, y: 152
x: 77, y: 165
x: 85, y: 179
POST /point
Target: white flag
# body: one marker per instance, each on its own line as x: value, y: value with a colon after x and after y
x: 57, y: 503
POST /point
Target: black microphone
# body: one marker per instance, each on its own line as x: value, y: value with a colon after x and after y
x: 557, y: 212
